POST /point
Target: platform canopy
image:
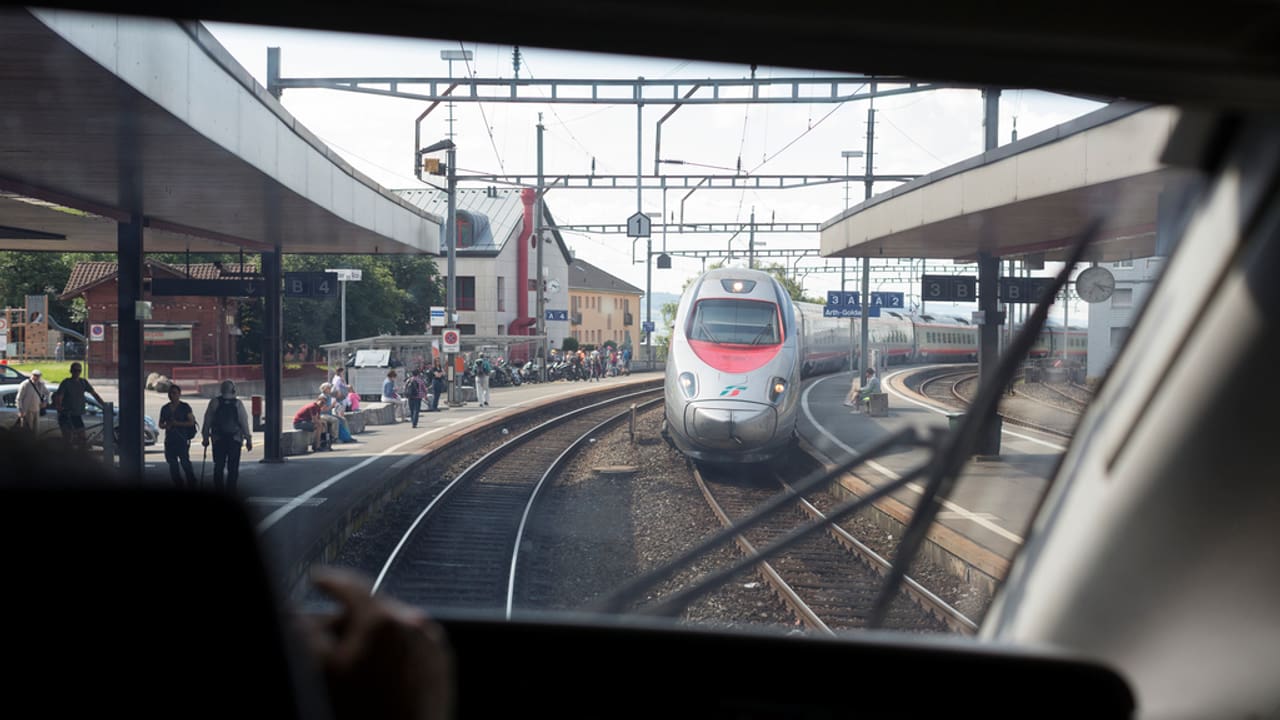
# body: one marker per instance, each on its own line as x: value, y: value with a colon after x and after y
x: 104, y: 116
x: 1029, y: 197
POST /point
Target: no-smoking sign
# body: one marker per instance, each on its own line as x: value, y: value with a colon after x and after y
x: 451, y: 341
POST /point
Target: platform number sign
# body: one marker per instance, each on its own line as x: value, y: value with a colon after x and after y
x: 892, y: 300
x: 1023, y: 290
x: 949, y: 288
x: 311, y: 284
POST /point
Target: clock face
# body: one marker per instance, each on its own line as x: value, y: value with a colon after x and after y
x: 1095, y: 285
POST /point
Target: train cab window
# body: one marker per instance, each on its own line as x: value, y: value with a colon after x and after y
x: 738, y: 322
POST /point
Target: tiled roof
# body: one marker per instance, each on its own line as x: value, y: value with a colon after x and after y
x: 585, y: 276
x: 89, y: 273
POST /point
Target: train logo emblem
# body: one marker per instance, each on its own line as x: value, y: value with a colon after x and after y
x: 732, y: 390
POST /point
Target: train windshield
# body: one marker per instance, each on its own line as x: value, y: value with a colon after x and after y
x: 735, y: 322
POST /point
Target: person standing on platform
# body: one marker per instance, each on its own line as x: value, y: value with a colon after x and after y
x: 437, y: 384
x: 179, y: 424
x: 33, y: 398
x: 226, y: 422
x: 69, y: 400
x: 481, y: 369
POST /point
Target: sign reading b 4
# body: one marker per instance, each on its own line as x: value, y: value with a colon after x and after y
x: 311, y: 284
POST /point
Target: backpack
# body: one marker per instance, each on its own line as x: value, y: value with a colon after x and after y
x: 483, y: 367
x: 226, y: 419
x: 412, y: 389
x: 190, y: 432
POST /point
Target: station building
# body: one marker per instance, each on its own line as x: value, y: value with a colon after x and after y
x: 183, y: 331
x: 496, y: 260
x: 602, y: 307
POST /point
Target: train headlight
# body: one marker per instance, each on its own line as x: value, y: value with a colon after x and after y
x: 777, y: 387
x: 688, y: 384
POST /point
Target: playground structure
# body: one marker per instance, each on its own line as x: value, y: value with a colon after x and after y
x: 29, y: 333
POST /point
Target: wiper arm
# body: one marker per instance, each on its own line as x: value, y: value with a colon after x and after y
x: 631, y: 591
x: 959, y: 445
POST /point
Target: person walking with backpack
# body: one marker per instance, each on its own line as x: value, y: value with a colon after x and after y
x: 179, y: 424
x: 227, y: 423
x: 482, y: 368
x: 415, y: 389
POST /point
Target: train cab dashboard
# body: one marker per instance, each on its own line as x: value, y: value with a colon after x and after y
x: 1149, y: 581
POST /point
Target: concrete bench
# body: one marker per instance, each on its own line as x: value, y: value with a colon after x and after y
x: 878, y: 405
x: 378, y: 414
x: 355, y: 421
x: 295, y: 442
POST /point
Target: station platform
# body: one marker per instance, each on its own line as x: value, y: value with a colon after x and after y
x: 304, y: 502
x: 982, y: 526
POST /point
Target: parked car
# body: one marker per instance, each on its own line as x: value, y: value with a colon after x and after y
x: 10, y: 376
x: 48, y: 422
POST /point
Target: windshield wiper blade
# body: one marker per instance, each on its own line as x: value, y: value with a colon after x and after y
x: 624, y: 596
x: 959, y: 445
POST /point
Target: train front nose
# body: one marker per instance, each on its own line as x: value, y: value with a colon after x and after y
x: 735, y: 426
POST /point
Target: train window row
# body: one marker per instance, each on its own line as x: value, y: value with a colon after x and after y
x: 949, y: 338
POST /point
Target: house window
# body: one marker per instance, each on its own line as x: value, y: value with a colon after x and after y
x: 502, y: 296
x: 502, y: 329
x: 1123, y: 298
x: 466, y: 293
x: 467, y: 329
x: 1122, y: 264
x: 166, y: 344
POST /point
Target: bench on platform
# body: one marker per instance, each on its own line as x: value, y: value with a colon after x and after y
x: 379, y: 413
x: 356, y: 421
x: 295, y: 442
x: 878, y: 405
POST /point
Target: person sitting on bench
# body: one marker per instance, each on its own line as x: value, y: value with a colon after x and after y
x: 870, y: 386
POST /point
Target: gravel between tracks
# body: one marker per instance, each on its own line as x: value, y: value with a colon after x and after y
x: 608, y: 529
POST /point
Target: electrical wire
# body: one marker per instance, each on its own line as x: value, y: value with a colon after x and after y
x: 911, y: 139
x: 488, y: 128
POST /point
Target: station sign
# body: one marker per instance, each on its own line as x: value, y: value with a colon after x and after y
x: 843, y: 299
x: 437, y: 316
x: 246, y: 287
x: 346, y: 274
x: 452, y: 341
x: 557, y: 315
x: 952, y: 288
x: 1024, y: 290
x: 849, y: 312
x: 892, y: 300
x: 311, y: 284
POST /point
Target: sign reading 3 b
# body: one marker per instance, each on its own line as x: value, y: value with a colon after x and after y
x: 311, y: 284
x: 949, y: 288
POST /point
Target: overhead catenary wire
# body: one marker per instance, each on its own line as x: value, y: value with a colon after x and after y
x: 488, y: 128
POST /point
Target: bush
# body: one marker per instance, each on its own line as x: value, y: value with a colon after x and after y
x: 570, y: 344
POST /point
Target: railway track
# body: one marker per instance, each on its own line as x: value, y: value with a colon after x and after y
x: 829, y: 580
x: 954, y: 387
x: 462, y: 550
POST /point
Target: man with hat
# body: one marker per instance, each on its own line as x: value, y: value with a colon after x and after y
x: 33, y: 398
x: 227, y: 423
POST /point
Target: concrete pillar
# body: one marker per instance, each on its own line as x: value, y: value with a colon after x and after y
x: 272, y: 354
x: 129, y: 344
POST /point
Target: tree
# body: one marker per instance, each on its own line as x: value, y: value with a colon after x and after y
x: 569, y: 344
x: 791, y: 285
x: 24, y: 272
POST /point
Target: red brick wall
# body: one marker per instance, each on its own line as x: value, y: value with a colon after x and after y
x: 205, y: 313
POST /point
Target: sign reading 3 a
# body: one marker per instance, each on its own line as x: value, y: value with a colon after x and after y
x: 949, y: 288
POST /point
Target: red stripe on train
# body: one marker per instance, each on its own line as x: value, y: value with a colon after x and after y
x: 733, y: 358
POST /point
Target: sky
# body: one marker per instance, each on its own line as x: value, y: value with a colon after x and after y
x: 914, y: 134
